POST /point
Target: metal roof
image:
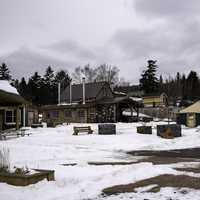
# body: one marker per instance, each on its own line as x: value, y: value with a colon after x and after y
x: 91, y: 91
x: 194, y: 108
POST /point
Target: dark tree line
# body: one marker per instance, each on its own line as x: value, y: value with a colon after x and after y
x: 181, y: 87
x: 43, y: 90
x: 184, y: 87
x: 40, y: 90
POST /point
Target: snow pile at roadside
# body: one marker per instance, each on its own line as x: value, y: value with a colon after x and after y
x: 5, y: 86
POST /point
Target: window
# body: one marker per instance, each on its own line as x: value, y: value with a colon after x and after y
x: 68, y: 113
x: 10, y: 116
x: 54, y: 114
x: 81, y: 113
x: 48, y: 115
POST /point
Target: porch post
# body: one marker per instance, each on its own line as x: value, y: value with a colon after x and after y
x: 17, y: 118
x: 115, y: 113
x: 24, y: 116
x: 137, y: 112
x: 131, y: 111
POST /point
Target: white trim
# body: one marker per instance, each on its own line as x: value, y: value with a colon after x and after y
x: 13, y: 117
x: 24, y: 116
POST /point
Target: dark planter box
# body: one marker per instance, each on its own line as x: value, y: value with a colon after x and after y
x: 28, y: 179
x: 107, y: 129
x: 146, y: 119
x: 36, y: 126
x: 144, y: 129
x: 169, y: 130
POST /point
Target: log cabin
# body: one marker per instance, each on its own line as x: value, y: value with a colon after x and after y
x: 88, y: 103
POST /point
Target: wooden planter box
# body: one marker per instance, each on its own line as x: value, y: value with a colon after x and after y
x: 107, y: 129
x: 36, y: 126
x: 146, y: 119
x: 28, y: 179
x: 169, y: 131
x: 144, y: 129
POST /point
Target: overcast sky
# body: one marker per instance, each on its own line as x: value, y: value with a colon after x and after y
x: 125, y: 33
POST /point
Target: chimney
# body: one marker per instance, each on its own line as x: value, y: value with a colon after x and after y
x: 59, y: 93
x: 83, y: 80
x: 70, y: 92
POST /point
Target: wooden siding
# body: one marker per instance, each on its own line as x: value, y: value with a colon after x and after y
x: 105, y: 92
x: 75, y: 115
x: 154, y: 101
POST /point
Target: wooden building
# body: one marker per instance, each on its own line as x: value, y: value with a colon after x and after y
x: 189, y: 116
x: 14, y: 110
x: 88, y: 103
x: 155, y: 100
x: 11, y: 107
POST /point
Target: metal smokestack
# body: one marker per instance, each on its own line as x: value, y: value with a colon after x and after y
x: 59, y: 93
x: 83, y: 80
x: 70, y: 92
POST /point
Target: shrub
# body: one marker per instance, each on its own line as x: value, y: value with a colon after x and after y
x: 4, y: 160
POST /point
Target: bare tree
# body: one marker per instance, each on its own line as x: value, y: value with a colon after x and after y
x: 107, y: 73
x: 103, y: 72
x: 88, y: 72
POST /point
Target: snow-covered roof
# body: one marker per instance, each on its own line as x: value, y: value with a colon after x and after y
x: 128, y: 113
x: 5, y: 86
x: 194, y: 108
x: 136, y: 99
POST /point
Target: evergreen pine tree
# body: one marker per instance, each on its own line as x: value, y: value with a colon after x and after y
x: 4, y: 72
x: 49, y: 86
x: 49, y: 77
x: 149, y: 82
x: 35, y: 89
x: 192, y: 84
x: 22, y: 88
x: 63, y: 78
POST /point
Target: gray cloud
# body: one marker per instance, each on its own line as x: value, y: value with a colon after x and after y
x: 72, y: 47
x: 24, y: 62
x: 175, y: 46
x: 168, y: 8
x: 66, y: 34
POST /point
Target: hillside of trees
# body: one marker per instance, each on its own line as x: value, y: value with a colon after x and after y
x: 43, y: 89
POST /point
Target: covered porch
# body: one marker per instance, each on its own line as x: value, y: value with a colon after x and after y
x: 111, y: 110
x: 12, y: 111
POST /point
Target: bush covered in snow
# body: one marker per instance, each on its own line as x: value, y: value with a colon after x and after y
x: 4, y: 160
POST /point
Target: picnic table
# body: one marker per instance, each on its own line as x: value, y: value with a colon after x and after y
x: 14, y: 133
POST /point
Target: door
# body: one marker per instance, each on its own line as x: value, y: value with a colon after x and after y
x: 1, y: 121
x: 191, y: 120
x: 30, y: 118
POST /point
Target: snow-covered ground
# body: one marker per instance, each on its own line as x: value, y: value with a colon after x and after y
x: 48, y: 148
